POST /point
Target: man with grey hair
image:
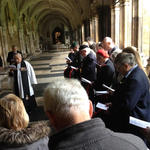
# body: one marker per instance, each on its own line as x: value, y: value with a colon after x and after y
x: 132, y: 96
x: 91, y: 43
x: 70, y: 111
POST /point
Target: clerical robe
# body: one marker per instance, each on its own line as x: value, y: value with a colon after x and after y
x: 24, y: 78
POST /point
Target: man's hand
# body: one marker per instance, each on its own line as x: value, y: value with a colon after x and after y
x: 23, y: 69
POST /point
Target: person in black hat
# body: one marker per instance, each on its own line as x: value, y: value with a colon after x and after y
x: 89, y: 63
x: 88, y: 70
x: 74, y: 48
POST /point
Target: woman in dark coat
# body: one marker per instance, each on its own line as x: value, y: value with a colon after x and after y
x: 15, y: 131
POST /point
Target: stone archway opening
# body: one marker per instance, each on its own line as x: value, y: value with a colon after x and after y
x: 58, y: 36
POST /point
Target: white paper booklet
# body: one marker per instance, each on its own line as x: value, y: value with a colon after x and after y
x: 101, y: 92
x: 86, y: 81
x: 12, y: 66
x: 138, y: 122
x: 68, y: 59
x: 102, y: 106
x: 107, y: 87
x: 74, y: 67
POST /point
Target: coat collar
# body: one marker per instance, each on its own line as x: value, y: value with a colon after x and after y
x: 73, y: 135
x: 34, y: 132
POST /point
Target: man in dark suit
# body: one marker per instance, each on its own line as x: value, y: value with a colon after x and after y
x: 11, y: 61
x: 10, y: 58
x: 132, y: 96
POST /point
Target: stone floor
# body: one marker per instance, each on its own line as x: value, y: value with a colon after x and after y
x: 47, y: 66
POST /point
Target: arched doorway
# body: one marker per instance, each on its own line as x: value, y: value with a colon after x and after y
x: 58, y: 36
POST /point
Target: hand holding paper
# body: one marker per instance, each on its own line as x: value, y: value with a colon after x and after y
x: 68, y: 59
x: 12, y: 66
x: 74, y: 67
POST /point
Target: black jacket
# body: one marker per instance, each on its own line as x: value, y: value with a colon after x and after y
x: 93, y: 135
x: 105, y: 75
x: 131, y: 98
x: 1, y: 62
x: 88, y: 69
x: 10, y: 57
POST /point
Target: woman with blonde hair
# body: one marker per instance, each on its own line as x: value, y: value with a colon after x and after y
x: 16, y: 132
x: 133, y: 50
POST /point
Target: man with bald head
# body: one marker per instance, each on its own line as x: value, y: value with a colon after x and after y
x: 109, y: 46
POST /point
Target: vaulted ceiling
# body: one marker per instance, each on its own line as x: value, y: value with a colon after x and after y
x: 69, y: 12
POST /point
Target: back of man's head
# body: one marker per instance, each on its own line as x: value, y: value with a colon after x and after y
x: 14, y: 48
x: 65, y: 98
x: 90, y: 40
x: 125, y: 58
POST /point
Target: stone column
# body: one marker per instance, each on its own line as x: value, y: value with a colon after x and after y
x: 117, y: 22
x: 32, y: 48
x: 113, y: 22
x: 148, y: 61
x: 126, y: 22
x: 79, y: 35
x: 135, y: 22
x: 4, y: 44
x: 91, y: 29
x: 96, y: 28
x: 37, y: 42
x: 140, y: 25
x: 22, y: 42
x: 82, y: 33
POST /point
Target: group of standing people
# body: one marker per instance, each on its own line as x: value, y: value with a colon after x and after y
x: 121, y: 70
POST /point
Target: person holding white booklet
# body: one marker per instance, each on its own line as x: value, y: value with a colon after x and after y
x: 131, y: 98
x: 74, y: 62
x: 69, y: 110
x: 88, y: 69
x: 105, y: 70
